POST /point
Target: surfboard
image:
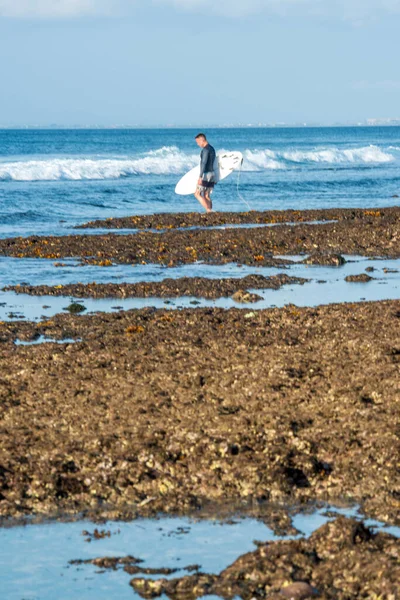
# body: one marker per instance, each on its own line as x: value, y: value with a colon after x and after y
x: 227, y: 162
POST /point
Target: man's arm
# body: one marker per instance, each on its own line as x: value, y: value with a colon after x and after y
x: 203, y: 161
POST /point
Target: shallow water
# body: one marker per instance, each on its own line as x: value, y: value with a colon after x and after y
x: 384, y: 286
x: 123, y: 231
x: 45, y: 340
x: 69, y: 230
x: 34, y: 560
x: 38, y: 271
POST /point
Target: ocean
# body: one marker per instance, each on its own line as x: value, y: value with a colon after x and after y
x: 51, y: 180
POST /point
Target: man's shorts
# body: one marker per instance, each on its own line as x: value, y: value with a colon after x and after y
x: 207, y: 183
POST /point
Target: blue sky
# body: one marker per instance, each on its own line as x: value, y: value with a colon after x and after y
x: 198, y: 62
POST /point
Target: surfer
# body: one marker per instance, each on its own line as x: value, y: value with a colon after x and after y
x: 207, y: 179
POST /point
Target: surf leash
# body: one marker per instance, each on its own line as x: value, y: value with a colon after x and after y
x: 238, y: 187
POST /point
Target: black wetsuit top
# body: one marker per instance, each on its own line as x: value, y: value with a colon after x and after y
x: 207, y: 160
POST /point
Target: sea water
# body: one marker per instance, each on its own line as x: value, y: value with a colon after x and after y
x: 35, y: 560
x: 325, y: 285
x: 51, y: 180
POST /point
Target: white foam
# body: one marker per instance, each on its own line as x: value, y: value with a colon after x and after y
x: 256, y: 160
x: 170, y: 160
x: 164, y: 161
x: 260, y: 160
x: 367, y: 154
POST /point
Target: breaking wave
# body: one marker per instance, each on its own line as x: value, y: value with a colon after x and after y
x: 268, y: 159
x: 164, y: 161
x: 170, y: 160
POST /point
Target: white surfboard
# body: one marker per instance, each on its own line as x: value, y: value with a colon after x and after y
x: 227, y: 163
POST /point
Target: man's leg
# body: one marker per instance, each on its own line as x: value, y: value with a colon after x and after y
x: 207, y: 198
x: 208, y: 190
x: 203, y: 201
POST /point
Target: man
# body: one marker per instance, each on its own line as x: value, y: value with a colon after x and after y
x: 207, y: 179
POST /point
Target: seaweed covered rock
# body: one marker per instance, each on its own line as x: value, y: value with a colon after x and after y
x: 342, y: 560
x: 328, y: 259
x: 361, y: 278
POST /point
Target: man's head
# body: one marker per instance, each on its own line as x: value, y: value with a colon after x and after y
x: 201, y: 140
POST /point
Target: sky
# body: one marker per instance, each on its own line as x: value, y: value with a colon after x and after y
x: 198, y: 62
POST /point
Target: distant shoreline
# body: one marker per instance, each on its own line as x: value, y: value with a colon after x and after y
x: 187, y: 127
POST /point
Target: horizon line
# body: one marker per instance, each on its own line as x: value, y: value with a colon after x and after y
x: 77, y: 127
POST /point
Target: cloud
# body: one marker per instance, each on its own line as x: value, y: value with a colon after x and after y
x: 237, y: 8
x: 53, y: 8
x: 344, y: 9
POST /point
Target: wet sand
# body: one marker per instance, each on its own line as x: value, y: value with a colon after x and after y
x: 368, y: 233
x: 167, y: 412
